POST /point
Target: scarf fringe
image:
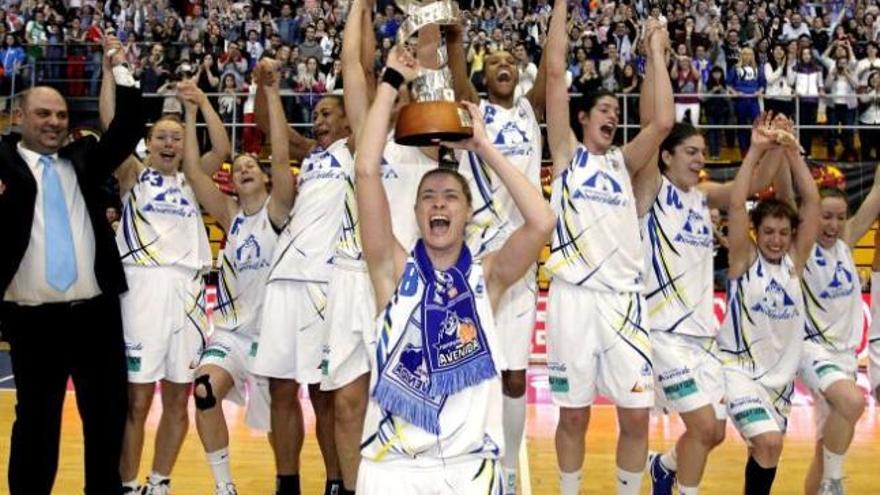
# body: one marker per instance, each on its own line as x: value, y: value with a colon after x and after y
x: 463, y: 376
x: 413, y: 410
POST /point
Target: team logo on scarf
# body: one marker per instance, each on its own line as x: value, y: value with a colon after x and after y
x: 442, y: 350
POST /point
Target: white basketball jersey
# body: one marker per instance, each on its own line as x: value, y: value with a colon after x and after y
x: 677, y: 232
x: 832, y: 294
x: 402, y: 169
x: 515, y: 132
x: 162, y: 224
x: 470, y: 421
x: 596, y: 243
x: 763, y: 330
x: 306, y: 245
x: 244, y: 269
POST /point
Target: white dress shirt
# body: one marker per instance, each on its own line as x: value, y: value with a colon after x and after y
x: 29, y: 286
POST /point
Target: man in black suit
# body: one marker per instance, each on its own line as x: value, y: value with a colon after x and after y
x: 60, y: 280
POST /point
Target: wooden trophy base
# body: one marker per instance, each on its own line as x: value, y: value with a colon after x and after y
x: 425, y: 123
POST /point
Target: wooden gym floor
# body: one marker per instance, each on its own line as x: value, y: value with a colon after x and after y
x: 253, y: 466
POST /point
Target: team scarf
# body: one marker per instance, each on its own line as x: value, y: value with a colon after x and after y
x: 443, y: 348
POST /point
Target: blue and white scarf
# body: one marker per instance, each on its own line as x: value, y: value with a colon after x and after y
x: 443, y: 349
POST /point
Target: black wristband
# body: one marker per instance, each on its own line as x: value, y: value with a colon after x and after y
x: 392, y: 77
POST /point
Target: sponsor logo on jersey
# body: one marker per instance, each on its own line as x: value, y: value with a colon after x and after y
x: 321, y: 165
x: 695, y: 232
x: 823, y: 368
x: 387, y: 170
x: 171, y: 201
x: 748, y: 410
x: 601, y: 187
x: 248, y: 255
x: 558, y: 378
x: 776, y: 303
x: 841, y: 284
x: 512, y: 140
x: 680, y: 390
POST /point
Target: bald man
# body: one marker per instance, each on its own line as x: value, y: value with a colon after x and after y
x: 60, y: 279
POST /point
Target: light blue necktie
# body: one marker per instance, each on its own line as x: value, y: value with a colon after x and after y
x: 60, y: 253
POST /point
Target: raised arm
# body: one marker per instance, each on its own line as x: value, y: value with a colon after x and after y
x: 638, y: 152
x: 865, y: 215
x: 216, y: 203
x: 537, y: 95
x: 385, y: 256
x: 356, y: 91
x: 213, y: 159
x: 769, y: 167
x: 107, y: 99
x: 300, y: 146
x: 283, y: 184
x: 522, y: 248
x: 808, y: 227
x: 646, y: 183
x: 464, y: 88
x: 560, y: 137
x: 741, y: 249
x: 368, y: 47
x: 121, y: 98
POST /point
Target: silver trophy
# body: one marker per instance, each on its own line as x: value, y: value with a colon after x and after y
x: 434, y: 114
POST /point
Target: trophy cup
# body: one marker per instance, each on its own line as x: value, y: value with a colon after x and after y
x: 434, y: 114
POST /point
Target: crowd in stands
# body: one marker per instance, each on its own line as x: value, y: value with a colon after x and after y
x: 730, y: 57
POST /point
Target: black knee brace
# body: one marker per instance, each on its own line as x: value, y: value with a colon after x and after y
x: 208, y: 401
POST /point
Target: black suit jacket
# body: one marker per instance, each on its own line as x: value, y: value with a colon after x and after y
x: 93, y: 161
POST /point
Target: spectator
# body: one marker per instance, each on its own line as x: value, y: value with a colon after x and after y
x: 780, y: 78
x: 841, y: 86
x: 528, y: 71
x: 630, y: 86
x: 228, y: 100
x: 234, y: 62
x: 609, y: 68
x: 12, y: 57
x: 311, y: 81
x: 686, y: 85
x: 795, y: 28
x: 717, y: 109
x: 589, y: 81
x: 334, y: 79
x: 869, y: 64
x: 475, y: 56
x: 310, y: 47
x: 702, y: 64
x: 254, y: 48
x: 808, y: 87
x: 745, y: 81
x: 154, y: 71
x: 580, y: 59
x: 870, y: 138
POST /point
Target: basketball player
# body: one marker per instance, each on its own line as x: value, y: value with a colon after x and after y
x: 351, y: 309
x: 295, y: 306
x: 433, y: 421
x: 252, y: 223
x: 874, y: 331
x: 512, y: 125
x: 164, y: 249
x: 761, y: 337
x: 596, y: 338
x: 834, y: 332
x: 677, y: 232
